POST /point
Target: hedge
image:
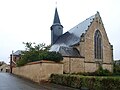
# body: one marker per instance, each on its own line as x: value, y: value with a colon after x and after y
x: 36, y: 56
x: 52, y: 56
x: 90, y: 82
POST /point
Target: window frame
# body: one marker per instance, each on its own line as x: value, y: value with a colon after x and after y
x: 98, y: 45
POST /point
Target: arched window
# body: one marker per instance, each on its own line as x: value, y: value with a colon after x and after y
x: 98, y: 49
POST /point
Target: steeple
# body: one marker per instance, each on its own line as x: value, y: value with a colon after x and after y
x: 56, y: 18
x: 56, y: 28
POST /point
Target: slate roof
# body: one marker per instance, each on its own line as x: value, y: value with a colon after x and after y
x: 17, y: 53
x: 56, y: 17
x: 69, y: 51
x: 65, y: 42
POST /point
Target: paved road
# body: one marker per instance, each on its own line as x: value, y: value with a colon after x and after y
x: 12, y: 82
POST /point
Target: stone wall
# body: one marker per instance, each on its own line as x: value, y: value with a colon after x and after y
x: 108, y: 67
x: 86, y: 48
x: 89, y: 42
x: 77, y: 65
x: 39, y: 71
x: 5, y: 68
x: 90, y: 61
x: 91, y: 67
x: 73, y: 65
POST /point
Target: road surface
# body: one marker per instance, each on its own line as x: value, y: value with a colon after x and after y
x: 12, y: 82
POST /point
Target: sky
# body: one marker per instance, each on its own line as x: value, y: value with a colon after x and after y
x: 30, y: 21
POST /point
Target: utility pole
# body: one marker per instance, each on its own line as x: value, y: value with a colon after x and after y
x: 11, y: 59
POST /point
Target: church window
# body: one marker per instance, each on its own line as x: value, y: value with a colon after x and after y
x: 98, y: 45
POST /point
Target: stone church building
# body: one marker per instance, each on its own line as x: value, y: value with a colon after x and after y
x: 84, y: 47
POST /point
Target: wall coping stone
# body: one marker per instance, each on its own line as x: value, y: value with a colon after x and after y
x: 43, y: 61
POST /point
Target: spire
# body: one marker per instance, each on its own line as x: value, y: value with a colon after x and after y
x: 56, y: 28
x: 56, y: 17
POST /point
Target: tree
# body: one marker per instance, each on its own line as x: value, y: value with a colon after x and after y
x: 1, y: 63
x: 33, y: 51
x: 38, y: 52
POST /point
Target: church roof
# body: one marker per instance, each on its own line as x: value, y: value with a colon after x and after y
x: 69, y: 51
x: 71, y: 37
x: 56, y: 18
x: 17, y: 53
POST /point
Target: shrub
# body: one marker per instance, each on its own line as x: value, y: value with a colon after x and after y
x: 38, y: 52
x: 36, y: 56
x: 116, y: 67
x: 66, y: 79
x: 102, y: 72
x: 21, y: 62
x: 99, y: 72
x: 91, y: 82
x: 52, y: 56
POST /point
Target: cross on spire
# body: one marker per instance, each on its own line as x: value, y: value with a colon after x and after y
x: 56, y: 4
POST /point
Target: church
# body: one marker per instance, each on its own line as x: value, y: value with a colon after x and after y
x: 84, y: 47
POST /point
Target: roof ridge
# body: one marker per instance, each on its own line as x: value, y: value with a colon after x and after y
x: 82, y: 26
x: 84, y: 20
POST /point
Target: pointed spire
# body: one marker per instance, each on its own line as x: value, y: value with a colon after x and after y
x: 56, y: 28
x: 56, y: 17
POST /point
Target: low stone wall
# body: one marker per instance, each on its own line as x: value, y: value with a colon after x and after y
x: 39, y: 71
x: 108, y: 67
x: 73, y: 65
x: 92, y: 67
x: 5, y: 68
x: 79, y: 65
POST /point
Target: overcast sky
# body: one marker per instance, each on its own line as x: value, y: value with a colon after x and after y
x: 30, y: 21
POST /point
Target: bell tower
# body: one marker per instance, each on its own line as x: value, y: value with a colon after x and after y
x: 56, y: 28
